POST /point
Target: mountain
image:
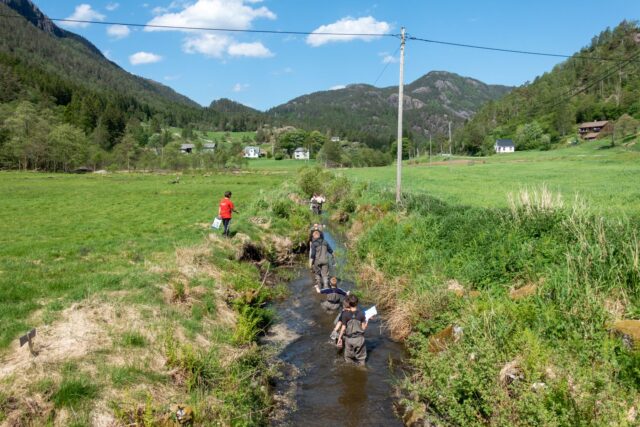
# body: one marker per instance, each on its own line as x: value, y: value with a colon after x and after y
x: 600, y: 82
x: 38, y: 53
x: 225, y: 105
x: 369, y: 114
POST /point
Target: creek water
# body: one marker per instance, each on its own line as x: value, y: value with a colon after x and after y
x: 322, y: 389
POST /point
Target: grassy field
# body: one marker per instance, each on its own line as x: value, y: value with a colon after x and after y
x: 65, y: 237
x: 136, y: 301
x: 287, y: 165
x: 606, y: 178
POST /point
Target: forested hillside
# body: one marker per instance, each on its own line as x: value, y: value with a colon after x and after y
x: 63, y: 104
x: 600, y: 82
x: 365, y: 113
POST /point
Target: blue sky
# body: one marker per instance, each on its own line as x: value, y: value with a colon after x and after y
x: 263, y: 70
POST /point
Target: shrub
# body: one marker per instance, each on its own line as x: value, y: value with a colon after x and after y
x: 279, y: 156
x: 312, y: 180
x: 282, y: 208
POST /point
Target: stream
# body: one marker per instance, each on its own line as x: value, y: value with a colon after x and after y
x: 319, y: 388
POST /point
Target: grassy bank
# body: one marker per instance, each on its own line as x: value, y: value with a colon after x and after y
x: 509, y: 314
x: 142, y: 312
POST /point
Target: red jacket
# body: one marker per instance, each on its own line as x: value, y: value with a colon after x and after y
x: 226, y: 207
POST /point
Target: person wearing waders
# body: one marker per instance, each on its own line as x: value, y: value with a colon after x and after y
x: 225, y: 210
x: 334, y: 295
x: 316, y: 227
x: 319, y: 260
x: 314, y: 205
x: 354, y: 323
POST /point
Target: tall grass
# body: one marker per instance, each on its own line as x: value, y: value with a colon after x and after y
x: 576, y: 265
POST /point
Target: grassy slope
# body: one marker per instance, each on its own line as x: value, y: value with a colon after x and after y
x: 132, y: 255
x: 535, y: 290
x: 604, y: 177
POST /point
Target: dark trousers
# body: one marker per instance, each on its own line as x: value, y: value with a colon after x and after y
x: 225, y: 222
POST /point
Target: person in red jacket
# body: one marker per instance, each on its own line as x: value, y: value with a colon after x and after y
x: 225, y: 210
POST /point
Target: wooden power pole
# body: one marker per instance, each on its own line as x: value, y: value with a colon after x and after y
x: 400, y: 105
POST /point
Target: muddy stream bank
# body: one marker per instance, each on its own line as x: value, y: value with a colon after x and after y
x: 319, y: 388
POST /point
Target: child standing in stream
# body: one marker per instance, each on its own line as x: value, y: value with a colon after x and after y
x: 334, y: 295
x: 354, y: 323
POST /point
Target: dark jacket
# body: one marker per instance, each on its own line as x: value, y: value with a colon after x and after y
x: 315, y: 247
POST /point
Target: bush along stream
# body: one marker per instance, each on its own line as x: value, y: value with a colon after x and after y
x: 521, y: 316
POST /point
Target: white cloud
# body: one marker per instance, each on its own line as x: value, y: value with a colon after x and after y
x: 112, y: 6
x: 107, y: 54
x: 171, y: 78
x: 144, y: 58
x: 285, y: 70
x: 118, y: 31
x: 239, y: 87
x: 211, y: 45
x: 364, y: 25
x: 388, y: 59
x: 337, y: 87
x: 232, y: 14
x: 254, y: 50
x: 83, y: 12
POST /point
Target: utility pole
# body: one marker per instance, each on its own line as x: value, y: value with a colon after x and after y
x: 450, y: 150
x: 400, y: 105
x: 429, y: 147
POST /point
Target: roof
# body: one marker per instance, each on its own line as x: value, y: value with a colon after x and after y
x: 251, y: 147
x: 598, y: 124
x: 504, y: 143
x: 300, y: 150
x: 210, y: 145
x: 187, y: 146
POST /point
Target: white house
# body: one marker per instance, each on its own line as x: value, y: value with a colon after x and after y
x: 209, y: 147
x: 301, y: 154
x: 251, y: 152
x: 504, y: 146
x: 335, y: 139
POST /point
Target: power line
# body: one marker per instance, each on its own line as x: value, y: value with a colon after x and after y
x: 600, y: 78
x: 386, y: 66
x: 307, y: 33
x: 522, y: 52
x: 227, y: 30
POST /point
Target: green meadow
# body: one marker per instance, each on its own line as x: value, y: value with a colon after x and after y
x: 605, y: 178
x: 66, y: 237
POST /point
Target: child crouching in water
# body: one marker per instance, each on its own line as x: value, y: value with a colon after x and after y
x: 334, y: 295
x: 353, y: 323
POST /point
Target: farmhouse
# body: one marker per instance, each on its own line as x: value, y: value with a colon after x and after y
x: 187, y: 148
x: 251, y: 152
x: 335, y: 139
x: 209, y: 147
x: 301, y: 154
x: 504, y: 146
x: 592, y: 130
